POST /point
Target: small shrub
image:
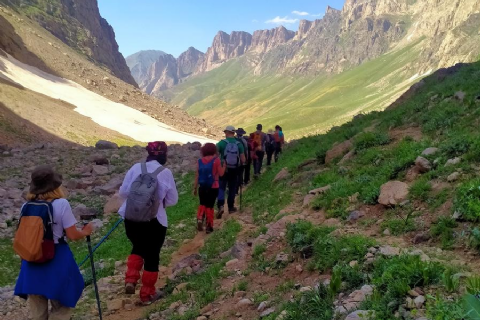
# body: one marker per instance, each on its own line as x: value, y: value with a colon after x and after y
x: 450, y: 281
x: 456, y: 146
x: 420, y: 189
x: 302, y: 235
x: 398, y: 226
x: 440, y: 309
x: 473, y: 285
x: 474, y: 239
x: 443, y: 228
x: 259, y: 250
x: 467, y: 200
x: 353, y: 277
x: 321, y: 154
x: 368, y: 140
x: 316, y: 304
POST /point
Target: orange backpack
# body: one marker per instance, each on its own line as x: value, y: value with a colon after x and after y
x: 257, y: 137
x: 34, y: 237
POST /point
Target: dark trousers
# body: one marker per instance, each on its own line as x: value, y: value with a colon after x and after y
x: 147, y: 239
x: 230, y: 180
x: 278, y: 150
x: 207, y: 196
x: 269, y: 156
x: 257, y: 163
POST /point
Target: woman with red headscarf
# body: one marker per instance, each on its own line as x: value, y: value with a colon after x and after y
x: 147, y: 237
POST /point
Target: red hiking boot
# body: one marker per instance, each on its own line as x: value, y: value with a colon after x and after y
x: 134, y: 266
x: 148, y: 293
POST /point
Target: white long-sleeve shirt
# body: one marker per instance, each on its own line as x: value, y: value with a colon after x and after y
x: 166, y: 189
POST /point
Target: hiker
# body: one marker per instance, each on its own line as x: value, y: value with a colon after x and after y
x: 48, y: 271
x: 148, y: 189
x: 270, y: 146
x: 279, y: 141
x: 244, y: 171
x: 232, y: 156
x: 209, y: 169
x: 261, y: 140
x: 252, y: 149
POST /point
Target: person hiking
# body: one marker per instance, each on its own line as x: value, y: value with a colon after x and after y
x: 261, y: 141
x: 270, y: 146
x: 148, y: 188
x: 58, y: 278
x: 209, y: 169
x: 244, y: 171
x: 279, y: 141
x: 252, y: 149
x: 232, y: 156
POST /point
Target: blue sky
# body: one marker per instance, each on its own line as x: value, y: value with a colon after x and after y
x: 173, y: 26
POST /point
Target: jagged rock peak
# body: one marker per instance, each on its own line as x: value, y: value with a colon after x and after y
x: 188, y: 61
x: 264, y: 40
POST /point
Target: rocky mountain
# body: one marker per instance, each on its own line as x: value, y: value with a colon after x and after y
x: 79, y: 25
x: 166, y: 71
x: 160, y: 75
x: 139, y: 62
x: 371, y: 51
x: 46, y: 67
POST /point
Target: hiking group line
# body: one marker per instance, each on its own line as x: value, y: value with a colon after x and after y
x: 48, y: 271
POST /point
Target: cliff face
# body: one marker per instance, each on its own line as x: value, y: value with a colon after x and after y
x: 188, y: 62
x: 224, y: 47
x: 79, y: 25
x: 140, y: 62
x: 363, y: 30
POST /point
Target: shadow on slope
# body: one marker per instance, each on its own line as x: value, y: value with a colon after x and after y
x: 15, y: 130
x: 12, y: 43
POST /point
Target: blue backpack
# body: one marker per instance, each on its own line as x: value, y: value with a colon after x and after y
x: 34, y: 237
x: 205, y: 173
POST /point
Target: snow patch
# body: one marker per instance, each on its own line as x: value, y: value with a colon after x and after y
x: 108, y: 114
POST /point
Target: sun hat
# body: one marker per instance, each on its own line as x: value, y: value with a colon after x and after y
x: 241, y: 131
x: 229, y: 129
x: 44, y: 179
x: 157, y: 148
x: 270, y: 131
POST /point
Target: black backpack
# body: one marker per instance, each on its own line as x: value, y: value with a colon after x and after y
x: 271, y: 144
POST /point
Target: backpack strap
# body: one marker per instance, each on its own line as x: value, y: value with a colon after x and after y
x: 144, y: 167
x: 159, y: 169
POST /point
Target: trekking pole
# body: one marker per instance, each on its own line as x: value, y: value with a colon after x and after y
x: 94, y: 276
x: 241, y: 187
x: 101, y: 241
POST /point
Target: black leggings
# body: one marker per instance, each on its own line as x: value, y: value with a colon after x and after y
x: 147, y: 239
x: 208, y: 196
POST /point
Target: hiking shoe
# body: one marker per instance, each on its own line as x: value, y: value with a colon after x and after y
x: 200, y: 225
x: 220, y: 212
x: 232, y: 210
x: 159, y: 294
x: 209, y: 229
x: 130, y: 288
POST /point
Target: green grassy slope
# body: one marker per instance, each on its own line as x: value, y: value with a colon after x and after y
x: 303, y: 105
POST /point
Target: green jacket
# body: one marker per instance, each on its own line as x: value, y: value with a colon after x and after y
x: 222, y: 144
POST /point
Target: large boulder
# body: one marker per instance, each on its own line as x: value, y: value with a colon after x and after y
x: 282, y: 175
x: 423, y: 165
x: 105, y: 145
x: 393, y: 193
x: 338, y: 150
x: 430, y: 151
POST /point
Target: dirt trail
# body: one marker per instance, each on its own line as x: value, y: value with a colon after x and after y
x: 190, y: 247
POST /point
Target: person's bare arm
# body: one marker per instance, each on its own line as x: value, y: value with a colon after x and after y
x: 75, y: 234
x: 243, y: 159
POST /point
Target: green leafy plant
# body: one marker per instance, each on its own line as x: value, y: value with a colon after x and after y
x: 443, y: 228
x: 474, y: 239
x: 368, y: 140
x: 335, y: 282
x: 473, y: 285
x: 467, y: 200
x: 420, y: 189
x: 440, y: 309
x: 471, y: 305
x: 259, y: 250
x: 450, y: 281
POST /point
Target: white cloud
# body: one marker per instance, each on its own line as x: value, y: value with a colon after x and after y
x: 279, y: 20
x: 300, y: 13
